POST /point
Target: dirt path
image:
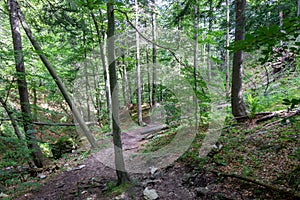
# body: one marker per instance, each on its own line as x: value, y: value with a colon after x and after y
x: 90, y: 177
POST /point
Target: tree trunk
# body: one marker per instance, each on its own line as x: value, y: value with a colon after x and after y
x: 104, y: 65
x: 154, y: 84
x: 138, y: 67
x: 119, y: 160
x: 22, y: 86
x: 58, y: 82
x: 196, y: 26
x: 87, y: 88
x: 227, y: 58
x: 148, y: 76
x: 11, y: 118
x: 210, y: 21
x: 237, y: 102
x: 298, y: 11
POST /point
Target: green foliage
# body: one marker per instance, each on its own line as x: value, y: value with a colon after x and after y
x: 114, y: 189
x: 268, y: 37
x: 46, y: 149
x: 64, y: 144
x: 13, y: 151
x: 253, y: 105
x: 292, y: 103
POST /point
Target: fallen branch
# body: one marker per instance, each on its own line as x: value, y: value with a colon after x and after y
x: 257, y: 182
x: 62, y: 124
x: 154, y: 129
x: 268, y: 117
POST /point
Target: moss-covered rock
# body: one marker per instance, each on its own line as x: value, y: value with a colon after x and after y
x: 63, y: 145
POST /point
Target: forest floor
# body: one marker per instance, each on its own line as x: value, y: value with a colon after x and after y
x: 258, y: 159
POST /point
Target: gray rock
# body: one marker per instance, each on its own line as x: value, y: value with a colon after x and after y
x: 150, y: 194
x: 41, y: 176
x: 202, y: 191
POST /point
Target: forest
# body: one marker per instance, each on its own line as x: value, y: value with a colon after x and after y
x: 149, y: 99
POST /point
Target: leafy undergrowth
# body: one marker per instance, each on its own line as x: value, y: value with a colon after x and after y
x: 249, y: 161
x: 267, y: 153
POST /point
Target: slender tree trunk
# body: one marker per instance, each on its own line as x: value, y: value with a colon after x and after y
x: 119, y: 160
x: 196, y: 26
x: 22, y: 86
x: 281, y: 23
x: 12, y: 119
x: 57, y: 80
x: 237, y: 102
x: 148, y: 76
x: 104, y: 65
x: 154, y: 36
x: 126, y: 96
x: 34, y: 102
x: 298, y: 11
x: 86, y: 78
x: 227, y: 58
x: 138, y: 67
x: 210, y: 21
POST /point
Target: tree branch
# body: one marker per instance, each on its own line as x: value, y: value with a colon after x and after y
x: 150, y: 41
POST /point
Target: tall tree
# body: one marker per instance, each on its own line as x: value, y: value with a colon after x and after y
x: 119, y: 160
x: 154, y: 36
x: 138, y: 66
x: 22, y: 86
x: 100, y: 36
x: 298, y: 10
x: 196, y: 27
x: 227, y: 58
x: 237, y: 102
x: 57, y: 80
x: 210, y: 23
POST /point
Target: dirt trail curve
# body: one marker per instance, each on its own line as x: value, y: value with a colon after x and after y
x: 74, y: 183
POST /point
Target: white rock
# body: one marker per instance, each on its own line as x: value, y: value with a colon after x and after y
x: 153, y: 170
x: 2, y: 195
x: 150, y: 194
x: 41, y: 176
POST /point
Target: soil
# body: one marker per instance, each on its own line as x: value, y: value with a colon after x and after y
x: 91, y: 179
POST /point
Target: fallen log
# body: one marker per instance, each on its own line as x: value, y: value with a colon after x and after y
x: 63, y: 124
x: 153, y: 129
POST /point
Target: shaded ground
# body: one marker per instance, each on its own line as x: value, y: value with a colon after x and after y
x: 248, y: 150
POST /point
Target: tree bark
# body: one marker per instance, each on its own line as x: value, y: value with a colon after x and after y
x: 237, y: 102
x: 154, y: 36
x: 196, y: 26
x: 298, y: 11
x: 29, y: 130
x: 57, y: 80
x: 11, y: 118
x: 227, y: 58
x: 119, y: 160
x: 105, y: 74
x: 138, y: 67
x: 148, y: 76
x: 210, y: 21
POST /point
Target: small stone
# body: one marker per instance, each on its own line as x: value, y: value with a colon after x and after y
x: 79, y: 167
x: 153, y: 170
x: 150, y: 194
x: 202, y: 191
x: 2, y: 195
x: 41, y: 176
x: 120, y: 197
x: 83, y: 192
